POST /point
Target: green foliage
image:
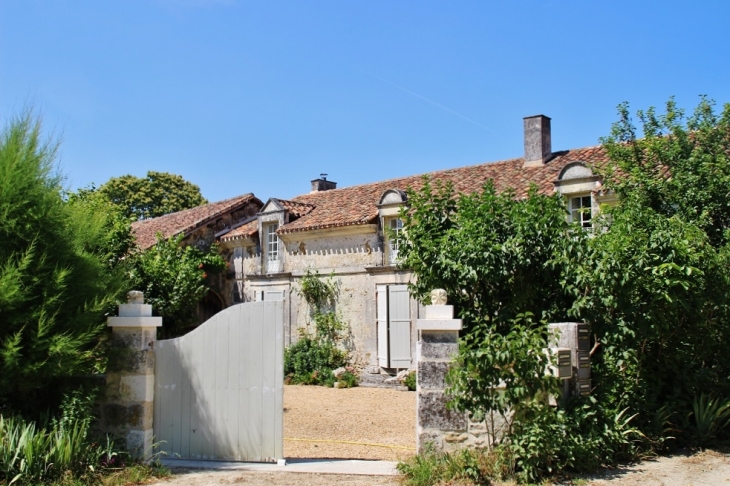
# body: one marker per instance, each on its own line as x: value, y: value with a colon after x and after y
x: 467, y: 467
x: 310, y: 361
x: 489, y: 251
x: 115, y: 241
x: 312, y: 358
x: 58, y: 277
x: 652, y: 281
x: 709, y: 417
x: 317, y: 291
x: 410, y: 381
x: 174, y: 278
x: 675, y: 165
x: 503, y: 373
x: 349, y: 378
x: 32, y: 455
x: 654, y: 284
x: 157, y: 194
x: 65, y: 454
x: 581, y: 437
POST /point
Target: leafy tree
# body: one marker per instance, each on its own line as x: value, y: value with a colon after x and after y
x: 655, y: 285
x: 174, y: 278
x: 56, y: 277
x: 489, y: 251
x: 117, y: 241
x: 656, y: 294
x: 676, y: 165
x: 157, y: 194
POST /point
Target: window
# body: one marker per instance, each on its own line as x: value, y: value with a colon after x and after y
x: 272, y: 248
x: 581, y: 210
x: 396, y: 226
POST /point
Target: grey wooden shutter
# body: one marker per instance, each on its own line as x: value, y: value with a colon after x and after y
x: 399, y: 326
x: 382, y: 323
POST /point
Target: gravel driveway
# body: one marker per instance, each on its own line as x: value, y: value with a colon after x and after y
x: 363, y: 423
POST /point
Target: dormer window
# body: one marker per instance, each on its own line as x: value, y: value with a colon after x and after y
x: 396, y: 226
x: 577, y: 183
x: 273, y: 264
x: 581, y: 210
x: 389, y: 209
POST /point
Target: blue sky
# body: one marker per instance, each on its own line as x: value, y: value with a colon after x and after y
x: 240, y: 96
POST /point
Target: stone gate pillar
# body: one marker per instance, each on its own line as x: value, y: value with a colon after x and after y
x: 439, y: 333
x: 128, y: 407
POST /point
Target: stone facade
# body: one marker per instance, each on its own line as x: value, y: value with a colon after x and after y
x: 353, y: 257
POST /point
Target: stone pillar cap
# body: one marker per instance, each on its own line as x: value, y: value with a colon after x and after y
x: 135, y: 297
x: 438, y: 297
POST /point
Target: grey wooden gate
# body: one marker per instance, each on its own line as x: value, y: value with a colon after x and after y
x: 219, y: 389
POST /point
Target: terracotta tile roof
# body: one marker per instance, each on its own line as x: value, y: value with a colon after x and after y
x: 296, y: 209
x: 358, y: 204
x: 185, y: 221
x: 245, y: 231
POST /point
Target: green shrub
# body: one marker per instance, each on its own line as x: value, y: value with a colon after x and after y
x: 410, y: 381
x: 466, y: 467
x: 58, y: 277
x: 349, y: 378
x: 310, y: 361
x: 30, y: 454
x: 708, y: 419
x: 174, y: 278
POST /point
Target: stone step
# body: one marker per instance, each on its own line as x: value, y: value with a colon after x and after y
x: 378, y: 381
x: 390, y: 386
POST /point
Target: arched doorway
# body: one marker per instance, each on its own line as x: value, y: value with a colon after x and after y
x: 209, y: 306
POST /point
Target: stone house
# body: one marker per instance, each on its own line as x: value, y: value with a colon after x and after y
x: 200, y: 226
x: 342, y: 232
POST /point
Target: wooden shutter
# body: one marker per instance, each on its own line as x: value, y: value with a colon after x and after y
x: 399, y: 326
x: 382, y: 324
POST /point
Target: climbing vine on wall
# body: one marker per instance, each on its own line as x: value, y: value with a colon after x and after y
x: 312, y: 359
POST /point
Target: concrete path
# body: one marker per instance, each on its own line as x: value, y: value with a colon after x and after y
x: 320, y: 466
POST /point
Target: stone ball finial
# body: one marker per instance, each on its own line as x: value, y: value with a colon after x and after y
x: 438, y: 297
x: 135, y: 297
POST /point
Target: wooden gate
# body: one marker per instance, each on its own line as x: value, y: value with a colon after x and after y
x: 219, y: 389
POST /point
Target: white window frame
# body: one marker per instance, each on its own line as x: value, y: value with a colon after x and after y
x: 395, y: 227
x: 273, y: 247
x: 581, y: 213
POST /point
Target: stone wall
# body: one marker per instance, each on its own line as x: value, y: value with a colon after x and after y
x: 438, y: 426
x: 127, y: 407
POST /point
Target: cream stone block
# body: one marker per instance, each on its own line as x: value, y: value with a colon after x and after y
x: 137, y: 388
x: 439, y: 311
x: 139, y: 443
x: 438, y: 324
x: 134, y: 321
x: 135, y: 310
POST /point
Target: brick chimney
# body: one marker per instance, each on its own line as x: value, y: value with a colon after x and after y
x: 537, y: 140
x: 322, y: 184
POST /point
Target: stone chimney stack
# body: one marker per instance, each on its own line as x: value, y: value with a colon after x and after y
x: 537, y: 140
x: 322, y: 184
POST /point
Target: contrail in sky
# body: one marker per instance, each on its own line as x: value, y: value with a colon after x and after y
x: 446, y: 108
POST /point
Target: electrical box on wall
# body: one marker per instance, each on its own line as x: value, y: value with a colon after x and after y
x: 576, y: 337
x: 562, y: 366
